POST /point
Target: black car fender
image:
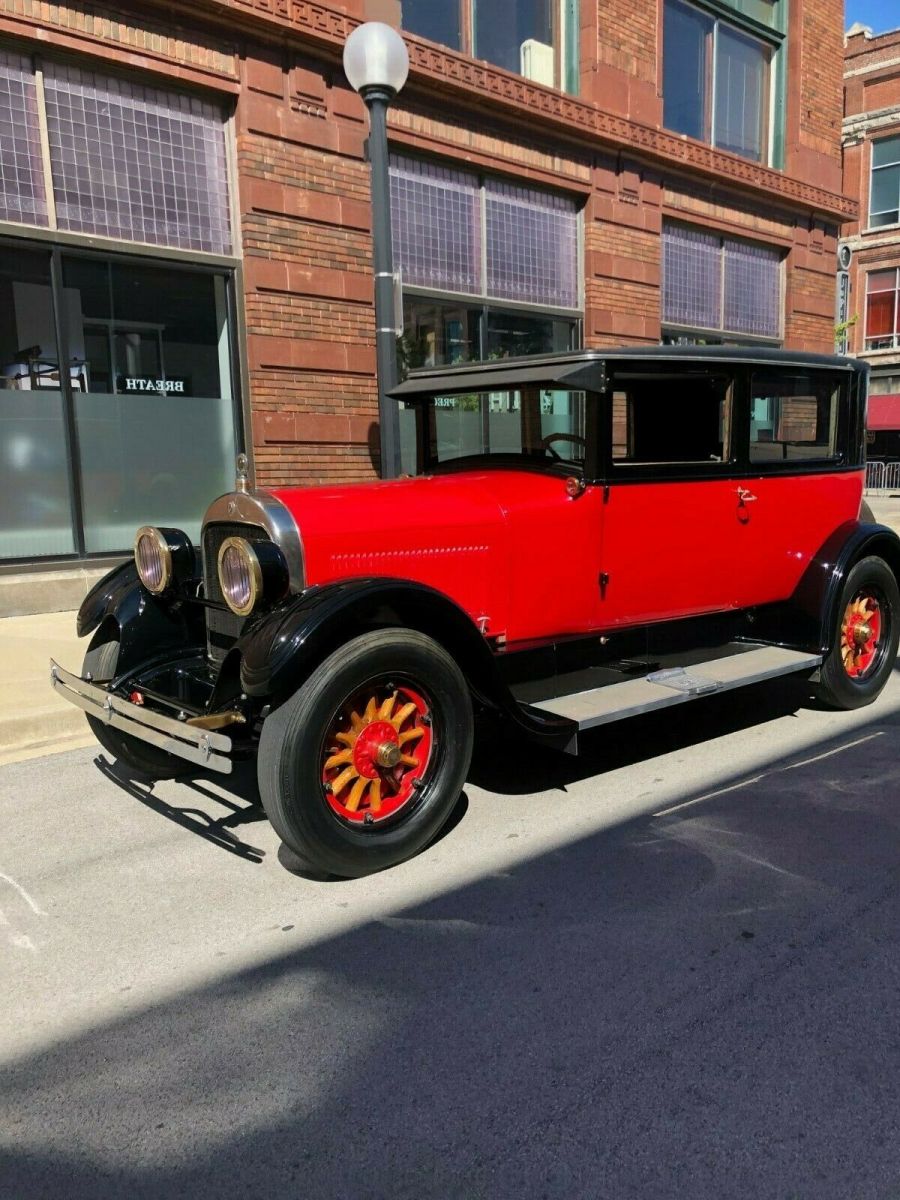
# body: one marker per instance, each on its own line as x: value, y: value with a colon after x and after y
x: 818, y: 594
x: 282, y: 649
x: 145, y: 625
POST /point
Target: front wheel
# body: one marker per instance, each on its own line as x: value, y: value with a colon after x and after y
x: 364, y: 764
x: 864, y: 645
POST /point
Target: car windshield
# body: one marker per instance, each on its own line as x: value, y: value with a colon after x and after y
x: 535, y: 425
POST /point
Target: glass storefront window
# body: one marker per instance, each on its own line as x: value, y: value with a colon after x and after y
x: 35, y: 506
x: 155, y: 419
x: 438, y: 333
x: 509, y: 334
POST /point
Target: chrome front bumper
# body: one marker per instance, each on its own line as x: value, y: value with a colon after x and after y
x: 204, y: 747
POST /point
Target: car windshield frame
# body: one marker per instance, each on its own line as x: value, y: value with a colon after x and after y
x: 491, y: 421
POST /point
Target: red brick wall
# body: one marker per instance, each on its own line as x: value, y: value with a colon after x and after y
x: 305, y: 223
x: 821, y: 74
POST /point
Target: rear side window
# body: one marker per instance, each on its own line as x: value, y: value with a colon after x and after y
x: 671, y: 419
x: 794, y: 418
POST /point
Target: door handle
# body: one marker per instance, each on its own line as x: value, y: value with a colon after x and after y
x: 745, y: 496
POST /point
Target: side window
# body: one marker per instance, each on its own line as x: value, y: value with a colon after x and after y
x: 670, y: 419
x: 793, y: 418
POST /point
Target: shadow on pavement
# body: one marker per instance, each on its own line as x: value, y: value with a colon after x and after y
x: 699, y: 1003
x: 217, y: 830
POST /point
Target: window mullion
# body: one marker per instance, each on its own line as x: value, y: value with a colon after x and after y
x: 482, y: 192
x: 722, y: 286
x: 44, y: 133
x: 713, y: 67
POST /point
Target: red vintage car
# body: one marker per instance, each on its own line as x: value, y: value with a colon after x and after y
x: 590, y: 536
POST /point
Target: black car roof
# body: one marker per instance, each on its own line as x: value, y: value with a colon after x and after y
x: 581, y: 367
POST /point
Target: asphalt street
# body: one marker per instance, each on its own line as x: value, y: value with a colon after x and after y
x: 668, y: 968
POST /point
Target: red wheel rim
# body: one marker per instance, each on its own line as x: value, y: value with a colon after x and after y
x: 861, y: 631
x: 376, y: 752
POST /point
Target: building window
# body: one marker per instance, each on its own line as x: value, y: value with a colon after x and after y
x: 22, y: 195
x: 454, y: 231
x: 719, y: 285
x: 147, y: 389
x: 136, y: 163
x: 126, y: 161
x: 720, y: 76
x: 882, y: 315
x: 884, y: 194
x: 491, y: 244
x: 535, y: 38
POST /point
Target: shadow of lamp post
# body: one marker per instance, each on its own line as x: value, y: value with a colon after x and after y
x: 376, y: 65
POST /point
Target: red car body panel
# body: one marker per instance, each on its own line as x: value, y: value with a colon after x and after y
x: 524, y: 558
x: 679, y: 549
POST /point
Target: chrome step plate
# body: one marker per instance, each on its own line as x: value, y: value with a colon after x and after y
x: 662, y: 689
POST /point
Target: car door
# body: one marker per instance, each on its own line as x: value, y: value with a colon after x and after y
x: 801, y: 482
x: 673, y: 516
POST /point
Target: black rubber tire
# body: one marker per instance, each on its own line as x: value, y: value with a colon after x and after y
x: 137, y: 756
x: 836, y: 688
x: 290, y: 755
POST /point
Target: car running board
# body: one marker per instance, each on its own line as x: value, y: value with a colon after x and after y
x: 675, y: 685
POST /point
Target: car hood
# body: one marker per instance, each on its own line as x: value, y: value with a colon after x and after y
x: 450, y: 532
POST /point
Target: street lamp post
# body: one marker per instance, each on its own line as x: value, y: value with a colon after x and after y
x: 376, y: 64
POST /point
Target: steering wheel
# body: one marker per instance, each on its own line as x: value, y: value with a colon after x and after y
x: 547, y: 443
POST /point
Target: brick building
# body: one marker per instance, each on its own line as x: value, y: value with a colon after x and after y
x: 186, y: 232
x: 872, y: 242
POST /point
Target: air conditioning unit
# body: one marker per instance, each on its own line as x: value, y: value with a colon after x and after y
x: 537, y: 61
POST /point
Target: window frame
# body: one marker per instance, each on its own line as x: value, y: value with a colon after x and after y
x: 565, y: 15
x: 39, y: 64
x: 721, y: 332
x: 839, y: 461
x: 738, y: 465
x: 893, y: 338
x: 484, y: 300
x: 739, y: 16
x: 892, y: 166
x: 57, y: 245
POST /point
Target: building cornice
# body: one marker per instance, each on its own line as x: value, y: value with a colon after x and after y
x: 480, y: 83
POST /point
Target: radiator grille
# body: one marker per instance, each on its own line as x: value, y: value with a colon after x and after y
x: 223, y: 628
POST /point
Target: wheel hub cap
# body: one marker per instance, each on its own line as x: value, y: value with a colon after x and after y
x: 377, y: 751
x: 861, y: 634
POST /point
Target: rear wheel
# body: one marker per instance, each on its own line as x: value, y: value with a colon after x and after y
x: 363, y: 765
x: 140, y: 757
x: 865, y: 641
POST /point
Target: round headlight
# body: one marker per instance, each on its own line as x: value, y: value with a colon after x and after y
x: 153, y: 559
x: 240, y: 575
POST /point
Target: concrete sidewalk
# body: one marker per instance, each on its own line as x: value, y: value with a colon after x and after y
x: 34, y: 721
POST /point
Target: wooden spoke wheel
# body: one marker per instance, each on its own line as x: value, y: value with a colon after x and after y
x: 861, y: 631
x: 864, y: 645
x: 360, y: 768
x: 377, y: 752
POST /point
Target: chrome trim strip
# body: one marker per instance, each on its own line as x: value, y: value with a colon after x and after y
x: 201, y: 746
x: 262, y: 508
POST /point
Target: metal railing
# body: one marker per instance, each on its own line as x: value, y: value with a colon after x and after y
x: 882, y: 477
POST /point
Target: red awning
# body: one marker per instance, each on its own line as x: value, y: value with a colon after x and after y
x: 884, y: 412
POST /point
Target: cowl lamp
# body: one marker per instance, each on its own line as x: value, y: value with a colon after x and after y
x: 376, y: 65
